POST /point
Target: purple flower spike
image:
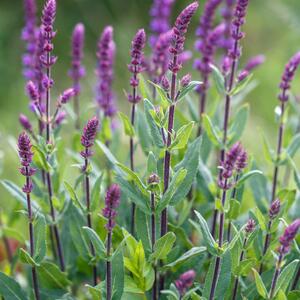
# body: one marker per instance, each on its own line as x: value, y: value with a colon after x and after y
x: 179, y: 31
x: 250, y: 226
x: 274, y: 209
x: 25, y: 154
x: 105, y: 72
x: 32, y: 91
x: 24, y: 121
x: 29, y: 35
x: 160, y: 57
x: 288, y: 236
x: 77, y: 71
x: 136, y: 65
x: 160, y: 13
x: 242, y: 160
x: 227, y: 14
x: 288, y: 77
x: 60, y: 117
x: 243, y: 75
x: 66, y: 95
x: 112, y: 201
x: 254, y: 62
x: 238, y: 21
x: 185, y: 80
x: 88, y: 136
x: 185, y: 281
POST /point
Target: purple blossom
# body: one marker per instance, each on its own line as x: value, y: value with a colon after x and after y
x: 29, y: 35
x: 77, y: 71
x: 160, y: 56
x: 165, y: 83
x: 88, y: 136
x: 288, y: 236
x: 32, y: 91
x: 274, y: 209
x: 242, y: 160
x: 184, y: 57
x: 185, y: 80
x: 66, y: 96
x: 136, y: 65
x: 250, y: 226
x: 112, y: 201
x: 243, y: 75
x: 105, y: 72
x: 227, y: 14
x: 60, y: 117
x: 288, y: 77
x: 26, y: 154
x: 236, y: 34
x: 185, y: 281
x: 153, y: 179
x: 24, y: 121
x: 178, y: 37
x: 254, y: 62
x: 160, y: 13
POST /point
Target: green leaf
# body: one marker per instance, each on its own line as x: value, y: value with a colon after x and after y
x: 286, y: 276
x: 52, y: 277
x: 26, y: 258
x: 294, y: 145
x: 143, y: 229
x: 99, y: 246
x: 234, y: 209
x: 195, y: 251
x: 218, y: 79
x: 281, y: 295
x: 13, y: 233
x: 151, y: 163
x: 163, y: 96
x: 163, y: 246
x: 248, y: 175
x: 154, y: 129
x: 128, y: 128
x: 134, y: 177
x: 10, y: 288
x: 95, y: 291
x: 190, y: 163
x: 238, y: 126
x: 260, y: 285
x: 40, y: 238
x: 211, y: 131
x: 190, y: 87
x: 18, y: 194
x: 174, y: 185
x: 118, y: 276
x: 73, y: 196
x: 244, y: 267
x: 145, y: 92
x: 39, y: 158
x: 144, y: 136
x: 95, y: 195
x: 182, y: 136
x: 209, y: 241
x: 260, y: 218
x: 241, y: 85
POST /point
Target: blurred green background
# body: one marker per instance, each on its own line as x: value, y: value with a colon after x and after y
x: 272, y: 29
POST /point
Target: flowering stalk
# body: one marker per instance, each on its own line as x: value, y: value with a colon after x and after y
x: 48, y: 60
x: 25, y: 154
x: 185, y: 281
x: 285, y: 243
x: 273, y: 213
x: 105, y: 72
x: 160, y: 13
x: 240, y: 166
x: 176, y: 48
x: 283, y: 97
x: 77, y: 70
x: 233, y: 56
x: 87, y: 141
x: 205, y: 46
x: 227, y: 14
x: 248, y: 229
x: 112, y: 201
x: 153, y: 181
x: 228, y: 167
x: 135, y: 67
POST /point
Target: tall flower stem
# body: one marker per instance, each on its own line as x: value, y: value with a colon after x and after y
x: 279, y: 149
x: 108, y: 269
x: 266, y: 244
x: 89, y: 217
x: 153, y: 239
x: 131, y: 145
x: 276, y: 274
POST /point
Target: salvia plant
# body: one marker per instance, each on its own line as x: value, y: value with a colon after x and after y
x: 171, y: 204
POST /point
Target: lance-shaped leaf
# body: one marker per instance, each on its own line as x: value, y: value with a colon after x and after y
x: 260, y: 285
x: 95, y: 195
x: 163, y: 246
x: 10, y: 288
x: 39, y: 158
x: 99, y: 246
x: 73, y: 196
x: 241, y: 85
x: 212, y: 131
x: 163, y: 96
x: 40, y: 247
x: 248, y: 175
x: 128, y: 128
x: 182, y: 136
x: 218, y: 79
x: 187, y: 89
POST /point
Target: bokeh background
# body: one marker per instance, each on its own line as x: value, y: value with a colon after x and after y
x: 273, y: 29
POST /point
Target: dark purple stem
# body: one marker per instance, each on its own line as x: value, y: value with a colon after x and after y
x: 279, y: 148
x: 31, y: 238
x: 236, y: 282
x: 89, y: 217
x: 132, y: 158
x: 226, y: 117
x: 202, y: 104
x: 275, y: 276
x: 108, y: 265
x: 153, y: 239
x: 266, y: 244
